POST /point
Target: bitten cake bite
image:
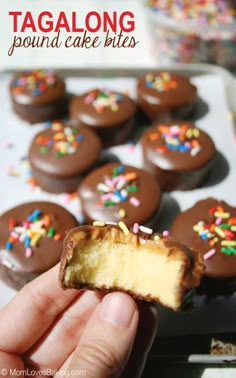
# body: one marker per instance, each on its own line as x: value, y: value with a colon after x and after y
x: 210, y: 227
x: 165, y: 95
x: 62, y: 154
x: 38, y: 96
x: 178, y: 154
x: 117, y: 192
x: 31, y: 238
x: 146, y: 265
x: 110, y: 114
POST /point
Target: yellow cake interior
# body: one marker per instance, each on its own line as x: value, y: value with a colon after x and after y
x: 136, y: 269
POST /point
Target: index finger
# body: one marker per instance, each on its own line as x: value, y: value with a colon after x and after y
x: 26, y: 318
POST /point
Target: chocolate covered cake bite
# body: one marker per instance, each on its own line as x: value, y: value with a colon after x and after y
x: 31, y: 237
x: 38, y: 96
x: 178, y: 154
x: 210, y: 227
x: 165, y: 95
x: 110, y: 114
x: 116, y: 192
x: 62, y: 154
x: 146, y: 265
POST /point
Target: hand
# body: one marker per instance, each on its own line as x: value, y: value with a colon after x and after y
x: 76, y: 333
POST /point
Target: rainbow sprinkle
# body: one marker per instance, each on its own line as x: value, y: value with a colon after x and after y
x: 65, y: 140
x: 30, y: 231
x: 124, y: 228
x: 130, y: 146
x: 102, y: 99
x: 163, y: 81
x: 119, y: 188
x: 144, y: 232
x: 220, y: 231
x: 9, y: 145
x: 177, y: 137
x: 165, y: 234
x: 36, y: 82
x: 13, y: 172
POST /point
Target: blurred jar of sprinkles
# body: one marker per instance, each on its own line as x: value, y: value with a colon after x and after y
x: 188, y: 31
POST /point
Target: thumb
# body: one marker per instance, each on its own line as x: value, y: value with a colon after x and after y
x: 106, y: 343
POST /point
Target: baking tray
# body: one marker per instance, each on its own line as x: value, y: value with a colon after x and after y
x: 215, y: 113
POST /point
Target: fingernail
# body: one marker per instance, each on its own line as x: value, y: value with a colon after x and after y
x: 117, y: 309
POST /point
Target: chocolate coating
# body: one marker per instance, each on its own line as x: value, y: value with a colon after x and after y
x: 220, y: 265
x: 48, y: 104
x: 166, y: 102
x: 63, y: 173
x: 177, y: 169
x: 15, y: 268
x: 112, y: 126
x: 148, y: 196
x: 41, y: 113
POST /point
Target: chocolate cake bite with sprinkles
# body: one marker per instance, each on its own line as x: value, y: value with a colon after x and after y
x: 31, y: 237
x: 38, y: 96
x: 114, y: 192
x: 178, y: 154
x: 135, y: 260
x: 210, y: 227
x: 164, y: 95
x: 59, y: 156
x: 110, y: 114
